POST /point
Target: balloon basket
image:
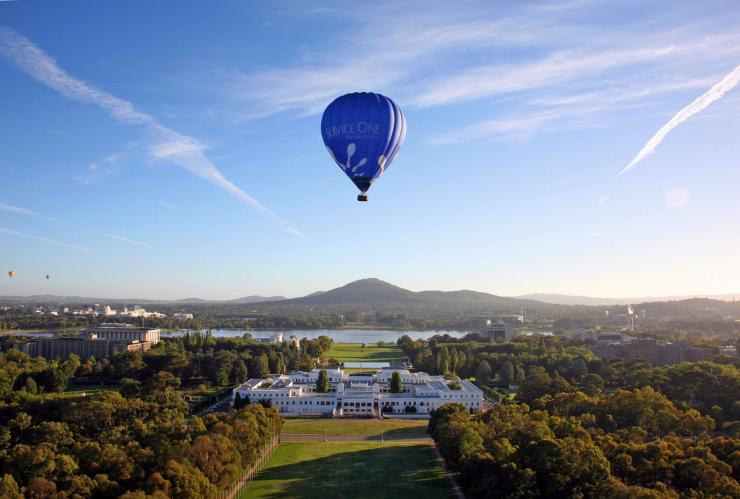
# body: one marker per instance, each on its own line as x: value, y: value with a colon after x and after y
x: 362, y: 197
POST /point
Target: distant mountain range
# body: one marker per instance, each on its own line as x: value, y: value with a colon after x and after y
x: 558, y: 299
x: 374, y: 291
x: 45, y: 299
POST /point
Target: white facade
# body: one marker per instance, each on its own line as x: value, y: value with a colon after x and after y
x: 295, y: 394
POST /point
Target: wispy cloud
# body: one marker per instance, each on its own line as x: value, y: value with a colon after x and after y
x: 99, y: 170
x: 593, y: 235
x: 699, y: 104
x: 553, y: 47
x: 564, y: 112
x: 529, y: 57
x: 552, y: 70
x: 512, y: 127
x: 169, y: 205
x: 17, y: 210
x: 412, y: 41
x: 168, y: 145
x: 15, y: 233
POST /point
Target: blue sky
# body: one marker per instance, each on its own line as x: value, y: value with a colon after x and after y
x: 172, y: 149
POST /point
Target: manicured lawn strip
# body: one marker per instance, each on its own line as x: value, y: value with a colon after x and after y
x: 321, y: 470
x: 359, y: 370
x: 353, y: 352
x: 390, y: 427
x: 92, y: 388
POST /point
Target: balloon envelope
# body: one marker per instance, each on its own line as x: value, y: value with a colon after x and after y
x: 363, y: 133
x: 11, y: 273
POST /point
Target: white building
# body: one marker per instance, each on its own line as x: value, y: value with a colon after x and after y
x: 358, y: 395
x: 276, y: 337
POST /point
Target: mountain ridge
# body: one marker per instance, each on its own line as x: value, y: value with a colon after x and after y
x: 370, y: 291
x: 593, y: 301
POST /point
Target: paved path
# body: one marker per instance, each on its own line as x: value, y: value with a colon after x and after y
x: 456, y: 489
x: 313, y: 437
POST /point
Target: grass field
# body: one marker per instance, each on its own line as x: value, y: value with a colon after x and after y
x: 92, y: 388
x: 389, y: 427
x: 321, y: 470
x: 353, y: 352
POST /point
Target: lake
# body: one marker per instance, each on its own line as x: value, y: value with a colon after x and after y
x: 338, y: 335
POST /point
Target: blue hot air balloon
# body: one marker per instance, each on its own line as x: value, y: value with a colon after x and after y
x: 363, y: 132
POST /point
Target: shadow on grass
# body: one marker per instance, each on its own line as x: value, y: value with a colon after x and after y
x: 408, y: 471
x: 411, y: 431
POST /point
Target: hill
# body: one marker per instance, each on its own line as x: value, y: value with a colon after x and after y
x: 375, y: 292
x: 358, y: 292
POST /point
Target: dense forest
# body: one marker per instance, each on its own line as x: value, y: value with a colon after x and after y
x: 579, y: 426
x: 139, y: 433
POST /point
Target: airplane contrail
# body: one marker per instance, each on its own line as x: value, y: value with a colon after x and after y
x: 170, y: 145
x: 699, y: 104
x: 17, y: 210
x: 76, y: 247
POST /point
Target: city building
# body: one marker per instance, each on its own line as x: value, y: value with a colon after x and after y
x: 51, y: 348
x: 182, y: 316
x: 600, y: 336
x: 658, y: 353
x: 359, y: 395
x: 139, y: 311
x: 497, y: 330
x: 276, y: 337
x: 127, y: 332
x: 96, y: 341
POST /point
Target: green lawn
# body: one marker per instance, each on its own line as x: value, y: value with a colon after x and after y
x: 353, y: 352
x: 389, y: 427
x: 321, y: 470
x: 92, y: 388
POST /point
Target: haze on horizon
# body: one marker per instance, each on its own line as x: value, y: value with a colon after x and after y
x: 157, y: 152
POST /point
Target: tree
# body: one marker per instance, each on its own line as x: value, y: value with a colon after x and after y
x: 483, y: 373
x: 131, y: 388
x: 30, y: 385
x: 322, y: 383
x: 238, y: 401
x: 507, y: 373
x: 239, y: 373
x: 396, y: 386
x: 593, y: 384
x: 9, y: 488
x: 259, y: 366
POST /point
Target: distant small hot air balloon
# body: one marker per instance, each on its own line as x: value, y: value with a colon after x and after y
x: 11, y: 274
x: 363, y: 132
x: 47, y: 277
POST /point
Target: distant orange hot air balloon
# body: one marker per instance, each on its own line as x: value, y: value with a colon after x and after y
x: 11, y: 274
